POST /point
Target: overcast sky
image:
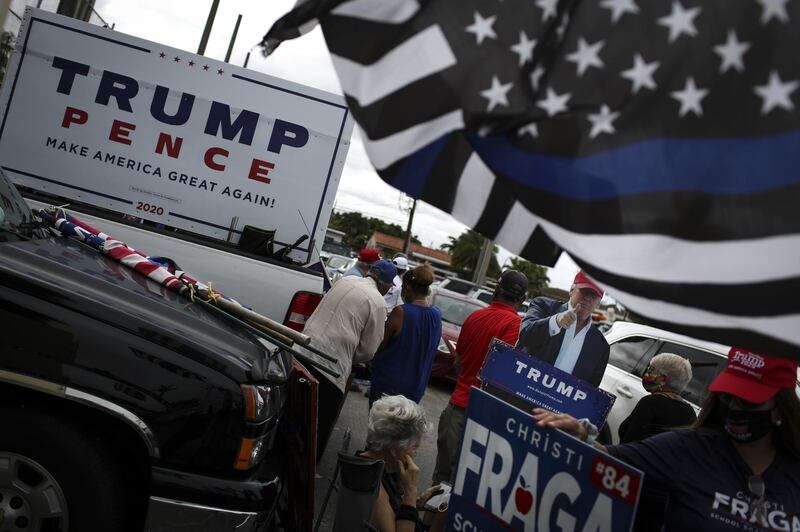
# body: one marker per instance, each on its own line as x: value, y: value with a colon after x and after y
x: 180, y: 23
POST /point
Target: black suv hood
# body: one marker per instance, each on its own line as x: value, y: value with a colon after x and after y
x: 72, y: 275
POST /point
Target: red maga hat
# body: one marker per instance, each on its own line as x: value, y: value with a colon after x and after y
x: 583, y: 281
x: 754, y: 377
x: 368, y: 255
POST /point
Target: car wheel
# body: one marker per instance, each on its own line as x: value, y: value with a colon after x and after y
x: 57, y: 476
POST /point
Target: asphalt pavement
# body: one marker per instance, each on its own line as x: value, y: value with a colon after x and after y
x: 354, y: 416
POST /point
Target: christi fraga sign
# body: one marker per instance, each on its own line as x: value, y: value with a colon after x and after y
x: 514, y: 475
x: 525, y: 382
x: 140, y: 128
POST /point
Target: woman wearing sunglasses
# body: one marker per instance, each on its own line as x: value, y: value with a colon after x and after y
x: 738, y: 468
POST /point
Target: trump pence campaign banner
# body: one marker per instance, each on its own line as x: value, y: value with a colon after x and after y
x: 525, y: 381
x: 514, y: 475
x: 140, y: 128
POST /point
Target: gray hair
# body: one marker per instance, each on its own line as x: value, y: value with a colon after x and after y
x: 677, y: 369
x: 395, y: 422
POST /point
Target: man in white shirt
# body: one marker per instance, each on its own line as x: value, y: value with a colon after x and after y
x: 393, y: 297
x: 348, y: 325
x: 562, y: 334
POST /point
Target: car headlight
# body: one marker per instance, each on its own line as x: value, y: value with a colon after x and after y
x: 251, y: 451
x: 258, y: 404
x: 262, y: 404
x: 443, y: 345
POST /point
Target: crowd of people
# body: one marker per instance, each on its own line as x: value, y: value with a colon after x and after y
x: 742, y: 452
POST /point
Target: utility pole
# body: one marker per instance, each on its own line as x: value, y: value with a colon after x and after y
x: 233, y: 39
x: 407, y: 242
x: 487, y: 251
x: 5, y: 5
x: 212, y: 14
x: 77, y: 9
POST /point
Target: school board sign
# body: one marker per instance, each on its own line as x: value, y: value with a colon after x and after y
x: 513, y: 475
x: 155, y: 132
x: 526, y: 381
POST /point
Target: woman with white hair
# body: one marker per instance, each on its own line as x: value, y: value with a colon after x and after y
x: 664, y: 409
x: 396, y: 427
x: 665, y: 378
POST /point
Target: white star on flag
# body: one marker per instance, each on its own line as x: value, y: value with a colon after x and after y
x: 524, y: 48
x: 482, y: 27
x: 690, y: 98
x: 496, y: 94
x: 548, y: 8
x: 732, y: 53
x: 530, y: 129
x: 680, y: 21
x: 602, y: 121
x: 776, y: 93
x: 586, y: 55
x: 641, y: 74
x: 619, y: 8
x: 773, y: 8
x: 554, y: 103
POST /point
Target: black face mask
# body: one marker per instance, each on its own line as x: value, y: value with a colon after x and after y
x: 746, y: 425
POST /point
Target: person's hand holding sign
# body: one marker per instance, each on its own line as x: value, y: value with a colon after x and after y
x: 565, y: 422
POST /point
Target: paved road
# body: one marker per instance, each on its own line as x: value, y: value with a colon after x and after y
x: 354, y: 416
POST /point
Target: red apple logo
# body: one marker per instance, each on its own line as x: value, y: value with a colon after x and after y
x: 523, y: 498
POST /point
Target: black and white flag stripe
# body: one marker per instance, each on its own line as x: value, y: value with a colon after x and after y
x: 655, y: 142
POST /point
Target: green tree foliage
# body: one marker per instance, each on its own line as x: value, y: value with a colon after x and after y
x: 466, y: 251
x: 358, y: 228
x: 537, y: 275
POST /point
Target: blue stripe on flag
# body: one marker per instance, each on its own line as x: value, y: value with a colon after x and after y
x: 414, y: 171
x: 716, y: 166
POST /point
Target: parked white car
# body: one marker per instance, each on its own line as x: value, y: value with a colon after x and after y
x: 632, y: 347
x: 337, y: 265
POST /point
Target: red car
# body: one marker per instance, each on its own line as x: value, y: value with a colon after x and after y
x: 455, y: 308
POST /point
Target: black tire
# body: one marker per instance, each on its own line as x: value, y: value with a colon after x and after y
x: 82, y: 465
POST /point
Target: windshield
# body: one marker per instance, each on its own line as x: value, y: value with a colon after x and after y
x: 454, y: 310
x: 457, y: 285
x: 15, y: 215
x: 337, y: 262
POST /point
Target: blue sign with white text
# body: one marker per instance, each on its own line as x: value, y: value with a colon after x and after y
x: 513, y: 475
x: 523, y: 380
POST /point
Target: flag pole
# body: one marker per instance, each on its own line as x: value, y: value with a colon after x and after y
x: 233, y: 39
x: 212, y: 14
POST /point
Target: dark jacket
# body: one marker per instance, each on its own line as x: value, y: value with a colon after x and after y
x: 535, y: 339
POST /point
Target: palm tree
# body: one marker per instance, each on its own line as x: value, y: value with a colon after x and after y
x: 465, y: 251
x: 537, y: 275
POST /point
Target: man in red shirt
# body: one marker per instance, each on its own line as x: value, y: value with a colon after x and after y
x: 499, y: 320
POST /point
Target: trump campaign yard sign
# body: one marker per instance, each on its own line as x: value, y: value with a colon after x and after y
x: 177, y: 138
x: 513, y: 475
x: 525, y: 381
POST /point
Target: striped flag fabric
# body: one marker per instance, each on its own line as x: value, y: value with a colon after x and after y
x: 657, y: 142
x: 119, y: 251
x: 163, y: 270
